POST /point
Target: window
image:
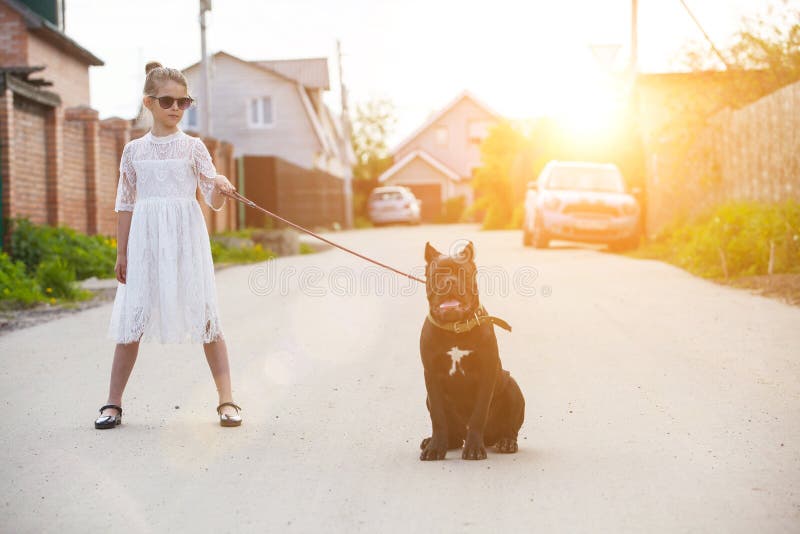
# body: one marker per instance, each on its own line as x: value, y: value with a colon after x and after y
x: 477, y: 131
x: 190, y: 118
x: 442, y: 134
x: 260, y: 112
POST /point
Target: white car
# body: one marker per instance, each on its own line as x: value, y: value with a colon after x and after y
x: 579, y: 201
x: 393, y: 204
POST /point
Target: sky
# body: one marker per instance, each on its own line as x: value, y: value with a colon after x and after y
x: 523, y: 58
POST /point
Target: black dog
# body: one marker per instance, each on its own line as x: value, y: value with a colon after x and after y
x: 471, y: 399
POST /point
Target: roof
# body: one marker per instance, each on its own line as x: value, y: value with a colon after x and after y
x: 48, y: 31
x: 17, y: 80
x: 442, y: 112
x: 310, y: 72
x: 424, y: 156
x: 248, y: 63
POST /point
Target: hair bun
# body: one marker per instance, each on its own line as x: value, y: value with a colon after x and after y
x: 152, y: 65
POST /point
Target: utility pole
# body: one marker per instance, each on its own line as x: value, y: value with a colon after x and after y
x: 633, y: 67
x: 343, y: 147
x: 205, y: 69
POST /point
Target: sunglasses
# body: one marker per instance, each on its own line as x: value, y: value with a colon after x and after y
x: 166, y: 101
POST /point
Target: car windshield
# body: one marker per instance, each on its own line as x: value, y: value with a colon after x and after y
x: 387, y: 195
x: 585, y: 179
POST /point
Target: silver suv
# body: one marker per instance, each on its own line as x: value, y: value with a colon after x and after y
x: 579, y: 201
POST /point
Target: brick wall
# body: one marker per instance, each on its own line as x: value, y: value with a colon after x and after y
x: 61, y: 166
x: 28, y: 188
x: 13, y: 38
x: 114, y: 133
x: 73, y: 177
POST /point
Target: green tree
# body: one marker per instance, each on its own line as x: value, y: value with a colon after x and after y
x: 500, y: 180
x: 374, y: 121
x: 768, y: 42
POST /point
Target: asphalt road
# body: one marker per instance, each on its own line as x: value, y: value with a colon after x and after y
x: 656, y: 402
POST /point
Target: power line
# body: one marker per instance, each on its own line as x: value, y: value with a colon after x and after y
x: 700, y: 26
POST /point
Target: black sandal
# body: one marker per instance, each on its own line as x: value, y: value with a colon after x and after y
x: 108, y: 421
x: 229, y: 420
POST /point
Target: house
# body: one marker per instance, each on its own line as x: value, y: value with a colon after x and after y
x: 273, y: 108
x: 32, y: 35
x: 438, y: 159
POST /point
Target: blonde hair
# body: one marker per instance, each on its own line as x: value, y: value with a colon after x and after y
x: 157, y: 75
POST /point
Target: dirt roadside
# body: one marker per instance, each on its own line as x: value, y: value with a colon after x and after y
x: 783, y: 287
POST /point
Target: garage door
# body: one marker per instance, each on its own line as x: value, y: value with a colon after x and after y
x: 431, y: 197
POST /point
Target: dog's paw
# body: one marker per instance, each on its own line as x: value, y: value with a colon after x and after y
x: 506, y: 446
x: 473, y: 451
x: 452, y: 443
x: 432, y: 450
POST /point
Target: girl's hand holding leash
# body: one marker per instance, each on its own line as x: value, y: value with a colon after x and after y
x: 223, y: 185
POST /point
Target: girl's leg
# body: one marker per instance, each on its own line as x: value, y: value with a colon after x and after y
x: 124, y: 358
x: 217, y: 357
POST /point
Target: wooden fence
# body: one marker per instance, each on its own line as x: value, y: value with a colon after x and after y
x: 752, y: 153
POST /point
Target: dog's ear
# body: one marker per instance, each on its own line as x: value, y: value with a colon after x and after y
x: 430, y: 253
x: 469, y: 251
x: 466, y: 254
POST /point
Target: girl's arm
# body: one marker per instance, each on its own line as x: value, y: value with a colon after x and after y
x: 124, y: 205
x: 211, y: 184
x: 123, y: 229
x: 221, y: 183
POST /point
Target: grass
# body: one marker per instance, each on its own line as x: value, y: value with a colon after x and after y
x: 222, y: 254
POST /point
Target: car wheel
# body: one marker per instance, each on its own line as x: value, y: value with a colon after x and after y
x: 539, y: 238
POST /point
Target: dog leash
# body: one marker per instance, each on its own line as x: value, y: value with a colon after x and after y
x: 458, y: 327
x: 237, y: 196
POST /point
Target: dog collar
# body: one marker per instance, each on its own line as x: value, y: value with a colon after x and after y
x: 480, y: 316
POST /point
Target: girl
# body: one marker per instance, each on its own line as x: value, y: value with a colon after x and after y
x: 168, y: 293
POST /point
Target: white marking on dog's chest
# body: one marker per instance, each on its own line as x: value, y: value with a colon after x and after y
x: 456, y: 354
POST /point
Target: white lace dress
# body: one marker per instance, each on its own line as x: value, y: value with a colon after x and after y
x: 170, y: 293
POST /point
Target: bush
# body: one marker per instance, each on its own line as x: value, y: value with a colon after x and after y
x: 497, y: 218
x: 87, y: 255
x: 517, y: 217
x: 221, y: 253
x: 57, y: 278
x: 248, y: 231
x: 453, y: 210
x: 16, y: 288
x: 742, y: 233
x: 362, y: 222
